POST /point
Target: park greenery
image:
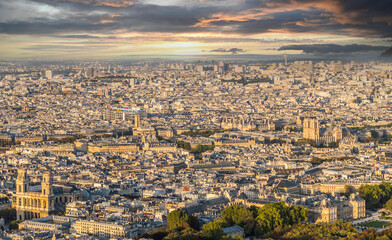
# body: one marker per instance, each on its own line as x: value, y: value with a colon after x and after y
x: 14, y: 225
x: 376, y: 224
x: 376, y: 195
x: 319, y: 231
x: 198, y: 150
x: 259, y: 222
x: 272, y: 221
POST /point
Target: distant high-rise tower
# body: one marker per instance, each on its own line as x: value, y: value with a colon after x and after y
x: 89, y: 72
x: 49, y: 74
x: 137, y: 121
x: 285, y: 59
x: 223, y: 67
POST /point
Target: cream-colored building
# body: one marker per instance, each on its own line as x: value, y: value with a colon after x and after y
x: 112, y: 147
x: 312, y: 131
x: 331, y: 187
x: 101, y: 229
x: 41, y: 200
x: 330, y: 210
x: 160, y: 147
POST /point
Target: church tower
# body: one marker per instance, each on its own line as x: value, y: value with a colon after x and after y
x: 47, y: 182
x: 22, y: 181
x: 311, y: 128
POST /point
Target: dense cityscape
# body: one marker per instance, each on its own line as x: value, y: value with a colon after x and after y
x: 196, y: 119
x: 111, y: 150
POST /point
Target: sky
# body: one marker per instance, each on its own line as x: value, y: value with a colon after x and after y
x: 126, y: 29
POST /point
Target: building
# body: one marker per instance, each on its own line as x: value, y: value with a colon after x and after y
x: 55, y: 224
x: 223, y: 67
x: 4, y: 202
x: 102, y: 229
x: 312, y: 131
x: 243, y: 124
x: 35, y: 201
x: 160, y: 147
x: 234, y: 231
x: 311, y: 128
x: 89, y: 72
x: 133, y: 115
x: 324, y: 208
x: 49, y: 74
x: 113, y: 147
x: 331, y: 187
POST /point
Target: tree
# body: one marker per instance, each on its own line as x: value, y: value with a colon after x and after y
x: 212, y: 231
x: 194, y: 223
x: 320, y: 231
x: 177, y: 219
x: 235, y: 215
x: 388, y: 205
x: 158, y: 234
x: 348, y: 189
x: 375, y: 195
x: 189, y: 234
x: 278, y: 214
x: 8, y: 214
x: 14, y: 225
x: 184, y: 145
x: 236, y: 237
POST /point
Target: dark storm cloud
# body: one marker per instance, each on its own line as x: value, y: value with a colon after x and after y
x: 361, y: 18
x: 138, y: 18
x: 231, y: 50
x: 333, y: 48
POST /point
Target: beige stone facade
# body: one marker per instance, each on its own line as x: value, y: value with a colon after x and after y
x: 40, y: 201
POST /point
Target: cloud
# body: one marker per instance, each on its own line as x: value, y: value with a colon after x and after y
x: 332, y: 48
x: 363, y: 18
x: 231, y: 50
x: 226, y: 23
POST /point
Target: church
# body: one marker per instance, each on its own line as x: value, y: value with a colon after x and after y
x: 322, y: 136
x: 34, y: 200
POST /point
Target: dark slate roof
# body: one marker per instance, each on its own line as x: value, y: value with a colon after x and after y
x: 232, y: 229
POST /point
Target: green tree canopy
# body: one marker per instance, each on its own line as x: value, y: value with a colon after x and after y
x: 278, y: 214
x: 212, y: 231
x: 388, y: 205
x: 375, y: 195
x: 235, y: 215
x: 320, y: 231
x: 177, y: 219
x: 348, y: 189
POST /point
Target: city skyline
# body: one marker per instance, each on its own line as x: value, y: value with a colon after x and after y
x: 97, y: 29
